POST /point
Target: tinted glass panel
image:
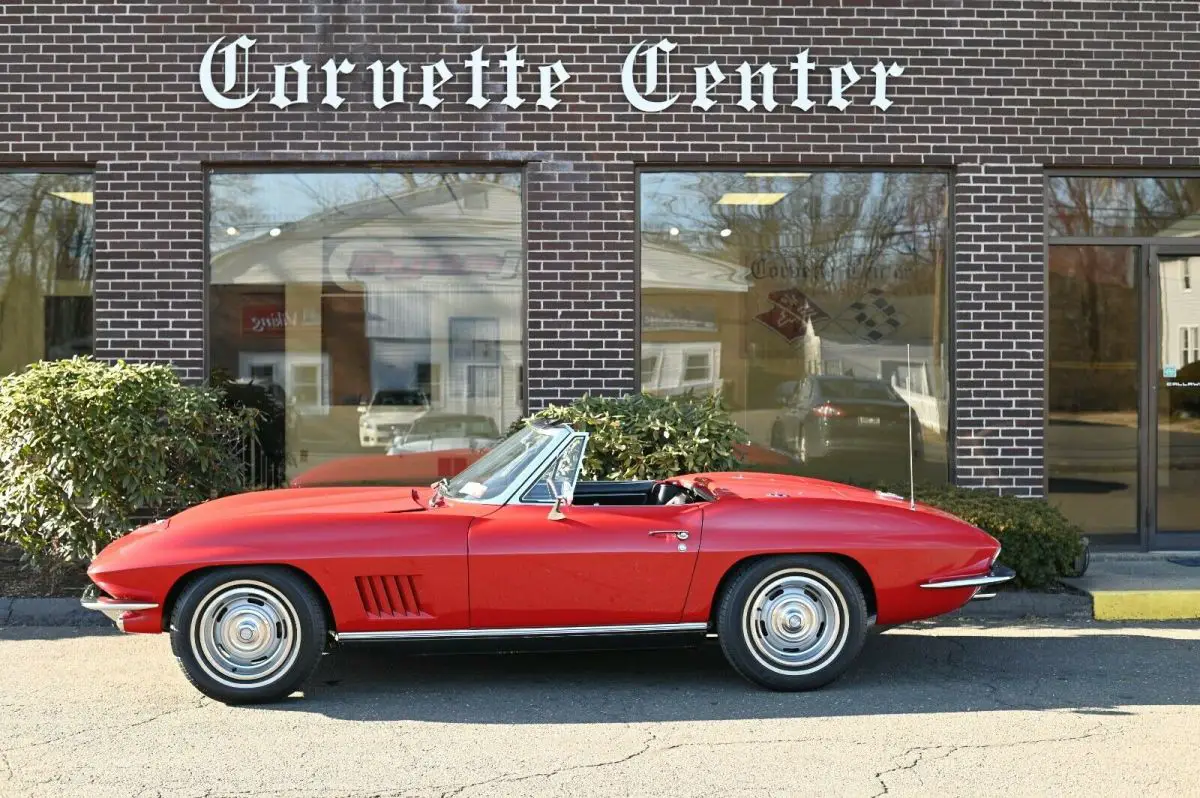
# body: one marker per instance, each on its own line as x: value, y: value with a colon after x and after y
x: 1123, y: 206
x: 1178, y: 378
x: 754, y: 281
x: 368, y: 301
x: 1092, y: 429
x: 45, y: 268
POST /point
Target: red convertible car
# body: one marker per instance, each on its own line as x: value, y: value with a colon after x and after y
x: 787, y: 573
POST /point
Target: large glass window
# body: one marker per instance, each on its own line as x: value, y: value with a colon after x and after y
x: 366, y: 301
x: 815, y: 302
x: 46, y: 236
x: 1092, y: 387
x: 1123, y: 206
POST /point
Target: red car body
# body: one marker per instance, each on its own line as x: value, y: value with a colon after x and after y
x: 385, y: 562
x: 391, y: 563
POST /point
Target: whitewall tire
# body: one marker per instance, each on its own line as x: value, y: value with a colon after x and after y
x: 792, y: 622
x: 248, y: 635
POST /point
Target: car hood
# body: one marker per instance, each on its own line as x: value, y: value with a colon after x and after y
x: 306, y: 501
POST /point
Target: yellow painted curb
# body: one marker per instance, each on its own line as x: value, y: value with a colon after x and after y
x: 1145, y: 605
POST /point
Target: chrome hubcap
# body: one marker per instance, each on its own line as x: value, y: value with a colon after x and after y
x: 245, y: 634
x: 795, y: 621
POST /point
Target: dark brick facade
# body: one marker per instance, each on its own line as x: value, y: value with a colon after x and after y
x: 996, y: 90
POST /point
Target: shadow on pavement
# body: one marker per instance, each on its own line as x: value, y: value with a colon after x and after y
x: 897, y: 673
x: 55, y: 632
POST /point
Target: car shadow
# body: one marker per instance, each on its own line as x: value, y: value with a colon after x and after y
x: 23, y: 631
x: 954, y: 670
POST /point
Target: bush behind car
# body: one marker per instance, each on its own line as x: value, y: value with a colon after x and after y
x: 88, y: 448
x: 643, y: 436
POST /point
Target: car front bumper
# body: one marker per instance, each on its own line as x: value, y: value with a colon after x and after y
x: 995, y: 576
x: 115, y: 609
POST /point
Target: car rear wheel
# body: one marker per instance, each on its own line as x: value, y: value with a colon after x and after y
x: 793, y: 622
x: 248, y: 635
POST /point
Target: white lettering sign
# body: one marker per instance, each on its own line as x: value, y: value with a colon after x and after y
x: 646, y: 75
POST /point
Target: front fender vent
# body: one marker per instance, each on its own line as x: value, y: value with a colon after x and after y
x: 389, y: 596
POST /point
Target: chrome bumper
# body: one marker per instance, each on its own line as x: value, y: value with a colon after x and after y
x: 113, y: 608
x: 995, y: 576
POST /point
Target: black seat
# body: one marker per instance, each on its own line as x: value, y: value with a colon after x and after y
x: 663, y: 492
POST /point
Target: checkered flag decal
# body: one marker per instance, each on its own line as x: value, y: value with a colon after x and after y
x: 872, y: 318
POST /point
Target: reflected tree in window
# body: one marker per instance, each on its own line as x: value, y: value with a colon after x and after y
x: 1123, y: 206
x: 46, y: 235
x: 825, y: 273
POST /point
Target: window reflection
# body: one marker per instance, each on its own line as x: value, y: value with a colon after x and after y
x: 1123, y: 206
x: 1092, y: 387
x: 46, y: 236
x: 800, y: 296
x: 374, y: 301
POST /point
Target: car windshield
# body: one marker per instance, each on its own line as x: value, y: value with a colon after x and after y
x: 398, y: 399
x: 857, y: 389
x: 492, y: 474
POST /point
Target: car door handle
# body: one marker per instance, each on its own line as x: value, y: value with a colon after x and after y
x: 679, y: 533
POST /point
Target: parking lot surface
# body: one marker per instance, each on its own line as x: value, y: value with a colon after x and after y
x: 955, y: 709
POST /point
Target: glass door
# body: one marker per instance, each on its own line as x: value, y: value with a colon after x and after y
x: 1175, y: 381
x: 1095, y: 410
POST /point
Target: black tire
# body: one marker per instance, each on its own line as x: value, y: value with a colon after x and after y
x: 815, y: 586
x: 269, y: 603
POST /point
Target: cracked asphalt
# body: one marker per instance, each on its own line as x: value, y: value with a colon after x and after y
x: 1080, y: 709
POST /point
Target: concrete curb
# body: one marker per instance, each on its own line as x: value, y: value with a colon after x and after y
x: 1016, y: 605
x: 48, y: 612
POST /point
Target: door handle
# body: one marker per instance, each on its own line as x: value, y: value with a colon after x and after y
x: 679, y: 533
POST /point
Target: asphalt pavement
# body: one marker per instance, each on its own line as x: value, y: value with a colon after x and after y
x: 1077, y: 708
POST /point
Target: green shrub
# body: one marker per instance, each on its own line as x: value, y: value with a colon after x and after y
x: 85, y: 447
x: 641, y: 436
x: 1037, y: 540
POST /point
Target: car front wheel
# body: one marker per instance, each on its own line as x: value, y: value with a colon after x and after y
x: 248, y: 635
x: 792, y: 622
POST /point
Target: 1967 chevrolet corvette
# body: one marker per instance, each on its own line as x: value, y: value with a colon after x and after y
x: 787, y: 572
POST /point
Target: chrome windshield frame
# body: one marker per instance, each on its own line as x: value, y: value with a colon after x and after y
x: 562, y: 435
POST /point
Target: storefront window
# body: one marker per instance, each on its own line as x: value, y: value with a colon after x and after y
x: 46, y: 236
x: 1092, y: 387
x: 369, y: 302
x: 815, y: 302
x: 1123, y: 206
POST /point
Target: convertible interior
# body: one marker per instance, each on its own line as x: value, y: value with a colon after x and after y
x: 634, y: 492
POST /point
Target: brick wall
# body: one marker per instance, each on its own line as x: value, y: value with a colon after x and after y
x: 995, y: 89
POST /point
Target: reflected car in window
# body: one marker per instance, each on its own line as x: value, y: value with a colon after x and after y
x: 389, y: 412
x: 435, y: 432
x: 830, y: 415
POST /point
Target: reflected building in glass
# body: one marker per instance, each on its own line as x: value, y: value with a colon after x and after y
x: 371, y: 300
x: 814, y: 301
